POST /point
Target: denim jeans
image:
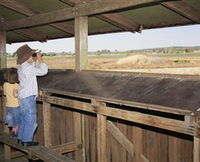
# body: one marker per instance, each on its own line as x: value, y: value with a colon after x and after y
x: 12, y: 116
x: 28, y: 123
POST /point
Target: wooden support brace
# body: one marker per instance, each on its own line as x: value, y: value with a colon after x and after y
x: 121, y: 138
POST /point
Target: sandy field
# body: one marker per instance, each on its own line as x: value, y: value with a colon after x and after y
x: 134, y: 63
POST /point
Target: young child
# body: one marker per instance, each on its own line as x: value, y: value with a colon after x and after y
x: 28, y: 91
x: 10, y: 90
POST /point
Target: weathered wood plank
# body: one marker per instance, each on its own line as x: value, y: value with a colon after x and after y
x: 101, y: 138
x: 85, y: 9
x: 78, y: 136
x: 121, y: 21
x: 16, y: 6
x: 160, y: 122
x: 184, y: 9
x: 138, y: 140
x: 7, y: 148
x: 47, y: 124
x: 196, y: 156
x: 40, y: 152
x: 81, y: 43
x: 2, y: 44
x: 124, y: 102
x: 66, y: 147
x: 121, y: 138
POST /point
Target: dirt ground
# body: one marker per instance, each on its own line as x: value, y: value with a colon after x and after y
x: 170, y: 64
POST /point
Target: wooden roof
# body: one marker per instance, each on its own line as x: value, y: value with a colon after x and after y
x: 42, y: 20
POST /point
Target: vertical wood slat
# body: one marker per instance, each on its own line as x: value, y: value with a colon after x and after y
x: 47, y: 124
x: 138, y: 143
x: 2, y: 45
x: 101, y: 138
x: 81, y: 43
x: 78, y: 131
x: 196, y: 156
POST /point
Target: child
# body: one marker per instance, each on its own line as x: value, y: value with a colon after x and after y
x: 28, y: 91
x: 10, y: 90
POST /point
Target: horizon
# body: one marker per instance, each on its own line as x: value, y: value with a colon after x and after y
x: 182, y: 36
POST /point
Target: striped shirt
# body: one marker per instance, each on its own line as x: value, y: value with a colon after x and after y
x: 27, y: 77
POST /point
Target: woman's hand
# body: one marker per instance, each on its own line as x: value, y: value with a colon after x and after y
x: 39, y: 57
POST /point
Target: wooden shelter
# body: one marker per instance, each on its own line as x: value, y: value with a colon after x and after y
x: 105, y: 116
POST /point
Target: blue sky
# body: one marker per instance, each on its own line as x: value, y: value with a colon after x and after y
x: 164, y: 37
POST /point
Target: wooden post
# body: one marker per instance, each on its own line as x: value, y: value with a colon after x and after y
x: 2, y: 44
x: 81, y: 43
x: 101, y: 138
x: 196, y: 156
x: 47, y: 124
x: 79, y: 136
x: 7, y: 149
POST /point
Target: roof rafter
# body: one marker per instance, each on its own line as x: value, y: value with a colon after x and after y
x: 184, y: 9
x: 32, y: 34
x: 28, y: 33
x: 84, y: 9
x: 16, y: 6
x: 120, y: 21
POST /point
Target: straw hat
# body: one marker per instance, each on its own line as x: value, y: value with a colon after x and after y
x: 24, y: 53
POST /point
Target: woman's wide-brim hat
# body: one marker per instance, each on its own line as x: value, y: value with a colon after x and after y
x: 24, y: 53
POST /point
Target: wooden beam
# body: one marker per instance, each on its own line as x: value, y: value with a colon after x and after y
x: 71, y: 2
x: 151, y: 120
x: 84, y: 9
x: 32, y: 34
x: 122, y: 22
x: 196, y: 155
x: 3, y: 56
x: 101, y: 138
x: 16, y: 6
x: 184, y: 9
x: 123, y: 102
x: 81, y: 43
x: 47, y: 124
x: 118, y: 20
x: 121, y: 138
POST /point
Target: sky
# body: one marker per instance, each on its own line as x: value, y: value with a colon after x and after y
x: 154, y: 38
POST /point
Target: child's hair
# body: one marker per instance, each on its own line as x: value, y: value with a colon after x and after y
x: 11, y: 75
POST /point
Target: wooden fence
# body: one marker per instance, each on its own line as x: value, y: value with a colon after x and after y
x: 90, y: 129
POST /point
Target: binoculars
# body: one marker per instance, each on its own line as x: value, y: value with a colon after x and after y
x: 35, y: 55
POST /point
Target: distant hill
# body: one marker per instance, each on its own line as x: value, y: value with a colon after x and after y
x: 175, y: 49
